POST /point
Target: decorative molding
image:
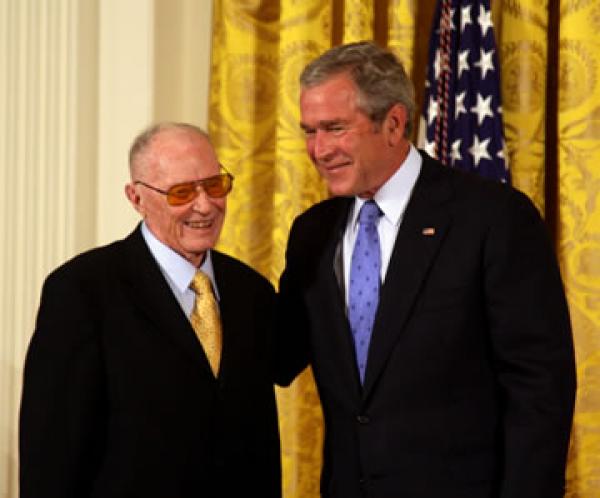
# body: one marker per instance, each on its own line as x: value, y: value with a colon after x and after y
x: 39, y: 101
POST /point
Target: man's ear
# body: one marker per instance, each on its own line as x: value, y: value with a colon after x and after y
x: 134, y: 197
x: 395, y: 123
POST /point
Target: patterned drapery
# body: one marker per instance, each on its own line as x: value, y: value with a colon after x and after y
x: 578, y: 206
x: 523, y: 72
x: 259, y: 49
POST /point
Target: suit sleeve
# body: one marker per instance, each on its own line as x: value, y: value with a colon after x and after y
x: 291, y: 324
x: 533, y: 351
x: 62, y: 419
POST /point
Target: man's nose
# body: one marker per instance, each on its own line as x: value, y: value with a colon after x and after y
x: 323, y: 146
x: 202, y: 202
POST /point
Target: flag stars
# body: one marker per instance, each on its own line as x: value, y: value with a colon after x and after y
x: 429, y: 147
x: 485, y: 62
x: 455, y: 152
x: 463, y: 63
x: 482, y: 108
x: 502, y: 155
x: 432, y: 111
x: 484, y: 20
x: 459, y: 105
x: 470, y: 124
x: 437, y: 64
x: 451, y: 20
x: 479, y: 150
x: 465, y: 17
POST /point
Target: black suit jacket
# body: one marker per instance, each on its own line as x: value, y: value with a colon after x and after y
x: 470, y: 382
x: 119, y: 399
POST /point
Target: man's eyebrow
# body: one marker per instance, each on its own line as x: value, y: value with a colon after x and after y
x: 323, y: 124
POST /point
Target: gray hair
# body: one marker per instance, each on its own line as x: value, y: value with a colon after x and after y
x: 142, y: 140
x: 379, y: 77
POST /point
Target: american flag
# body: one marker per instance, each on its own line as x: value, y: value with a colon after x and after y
x: 462, y: 112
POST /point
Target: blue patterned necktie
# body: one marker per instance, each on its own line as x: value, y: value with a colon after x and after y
x: 365, y: 270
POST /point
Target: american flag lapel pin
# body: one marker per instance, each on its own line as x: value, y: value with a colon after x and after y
x: 429, y: 231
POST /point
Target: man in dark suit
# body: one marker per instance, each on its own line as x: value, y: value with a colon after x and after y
x: 442, y: 349
x: 121, y: 398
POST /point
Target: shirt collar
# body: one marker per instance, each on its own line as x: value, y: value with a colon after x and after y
x: 178, y: 269
x: 393, y: 196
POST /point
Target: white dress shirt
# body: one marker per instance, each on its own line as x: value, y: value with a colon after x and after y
x: 178, y: 271
x: 392, y: 199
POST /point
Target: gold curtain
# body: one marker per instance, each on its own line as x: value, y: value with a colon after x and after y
x: 579, y: 227
x: 259, y: 49
x: 523, y: 56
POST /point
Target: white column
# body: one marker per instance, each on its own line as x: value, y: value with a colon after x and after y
x: 182, y: 60
x: 126, y: 106
x: 41, y: 167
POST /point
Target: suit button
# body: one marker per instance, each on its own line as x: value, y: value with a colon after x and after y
x: 363, y: 419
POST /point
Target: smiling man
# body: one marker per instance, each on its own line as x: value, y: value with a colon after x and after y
x: 428, y: 303
x: 148, y: 373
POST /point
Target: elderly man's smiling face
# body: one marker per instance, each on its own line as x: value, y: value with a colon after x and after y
x: 176, y: 156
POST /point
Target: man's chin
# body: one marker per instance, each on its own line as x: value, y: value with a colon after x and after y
x: 195, y: 251
x: 199, y: 248
x: 339, y: 190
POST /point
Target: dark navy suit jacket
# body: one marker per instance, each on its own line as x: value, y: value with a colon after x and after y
x: 470, y: 381
x: 119, y: 400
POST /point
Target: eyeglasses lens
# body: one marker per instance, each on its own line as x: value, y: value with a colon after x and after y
x: 215, y: 186
x: 181, y: 194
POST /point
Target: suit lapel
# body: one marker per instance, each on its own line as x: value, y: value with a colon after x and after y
x: 421, y: 233
x: 234, y: 312
x: 153, y: 297
x: 334, y: 337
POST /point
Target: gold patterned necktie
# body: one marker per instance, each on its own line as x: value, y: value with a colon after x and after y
x: 206, y: 321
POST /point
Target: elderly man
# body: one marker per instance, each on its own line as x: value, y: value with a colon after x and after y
x: 148, y: 374
x: 428, y: 302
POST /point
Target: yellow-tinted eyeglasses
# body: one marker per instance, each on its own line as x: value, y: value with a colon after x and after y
x: 182, y: 193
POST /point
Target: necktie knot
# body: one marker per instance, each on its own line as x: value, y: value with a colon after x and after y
x: 201, y: 283
x: 369, y: 213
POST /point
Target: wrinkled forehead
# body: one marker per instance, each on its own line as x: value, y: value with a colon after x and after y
x: 181, y: 149
x: 174, y: 143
